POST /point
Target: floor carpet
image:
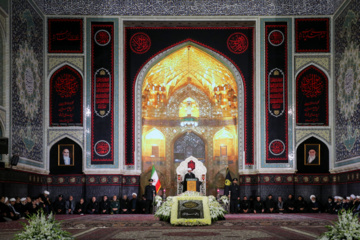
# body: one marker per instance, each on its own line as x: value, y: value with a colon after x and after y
x: 236, y: 226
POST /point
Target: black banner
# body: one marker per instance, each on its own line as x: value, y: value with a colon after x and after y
x: 276, y: 92
x: 312, y: 97
x: 65, y: 35
x: 102, y: 94
x: 312, y: 35
x: 66, y: 98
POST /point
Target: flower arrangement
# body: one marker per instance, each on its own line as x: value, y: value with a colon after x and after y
x: 158, y: 201
x: 164, y: 211
x: 217, y: 212
x: 190, y: 194
x: 347, y: 227
x: 42, y: 227
x: 224, y: 199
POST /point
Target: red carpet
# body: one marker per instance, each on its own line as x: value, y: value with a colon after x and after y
x: 236, y: 226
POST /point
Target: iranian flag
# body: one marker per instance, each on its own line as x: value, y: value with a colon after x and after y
x: 156, y: 179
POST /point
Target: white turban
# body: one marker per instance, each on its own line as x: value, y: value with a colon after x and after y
x: 46, y: 192
x: 358, y: 197
x: 6, y: 199
x: 348, y: 198
x: 312, y: 196
x: 23, y: 199
x: 12, y: 199
x: 134, y: 194
x: 353, y: 196
x: 189, y: 169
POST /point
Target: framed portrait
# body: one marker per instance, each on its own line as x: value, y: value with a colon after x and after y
x: 66, y: 155
x: 312, y: 154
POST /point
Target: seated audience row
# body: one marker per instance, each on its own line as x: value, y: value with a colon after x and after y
x: 299, y: 205
x: 16, y: 208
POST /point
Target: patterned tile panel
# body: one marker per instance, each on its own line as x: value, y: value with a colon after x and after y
x: 55, y: 135
x: 27, y: 81
x: 55, y: 62
x: 303, y: 134
x: 302, y: 61
x: 189, y: 7
x: 347, y: 84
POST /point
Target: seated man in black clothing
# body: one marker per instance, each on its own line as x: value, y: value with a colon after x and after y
x: 329, y: 205
x: 45, y: 199
x: 290, y: 204
x: 314, y: 205
x: 59, y: 205
x: 258, y: 205
x: 124, y: 204
x: 300, y: 205
x: 134, y: 204
x: 270, y: 205
x: 34, y: 207
x: 245, y: 205
x: 104, y: 205
x: 18, y: 205
x: 4, y: 209
x: 93, y: 206
x: 80, y: 207
x: 142, y: 205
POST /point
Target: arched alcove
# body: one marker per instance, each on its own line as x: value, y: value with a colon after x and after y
x: 153, y: 149
x: 151, y: 89
x: 66, y: 97
x: 312, y: 156
x: 58, y: 165
x: 312, y: 97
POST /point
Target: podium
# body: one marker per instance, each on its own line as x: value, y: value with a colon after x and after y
x: 191, y: 184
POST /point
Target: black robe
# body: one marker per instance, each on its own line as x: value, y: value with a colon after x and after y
x: 81, y: 207
x: 290, y: 205
x: 270, y: 203
x: 59, y: 206
x: 124, y: 205
x: 93, y: 205
x: 301, y: 206
x: 104, y: 207
x: 258, y: 206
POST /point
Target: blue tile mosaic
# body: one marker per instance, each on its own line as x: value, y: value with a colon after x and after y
x: 347, y: 87
x: 27, y: 81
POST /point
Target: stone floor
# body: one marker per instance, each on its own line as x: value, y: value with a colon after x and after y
x: 236, y: 226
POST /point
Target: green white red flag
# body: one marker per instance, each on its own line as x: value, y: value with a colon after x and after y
x: 155, y: 177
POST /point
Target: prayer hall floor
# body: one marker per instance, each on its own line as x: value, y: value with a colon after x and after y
x: 236, y: 226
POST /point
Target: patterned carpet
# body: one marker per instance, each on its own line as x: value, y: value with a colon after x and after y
x: 236, y: 226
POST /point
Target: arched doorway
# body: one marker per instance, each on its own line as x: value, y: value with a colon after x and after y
x: 187, y: 145
x: 186, y: 90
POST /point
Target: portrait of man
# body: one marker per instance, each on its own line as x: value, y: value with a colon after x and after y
x: 312, y: 154
x: 66, y: 154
